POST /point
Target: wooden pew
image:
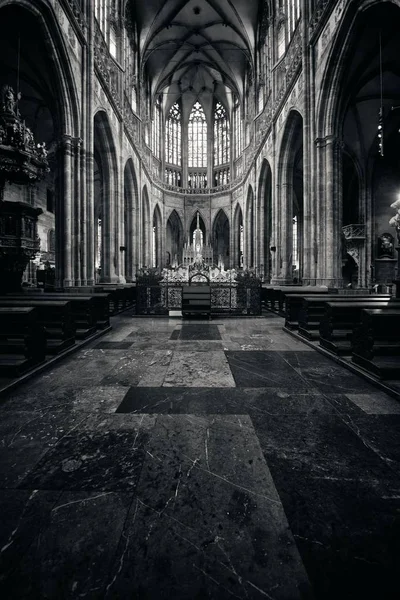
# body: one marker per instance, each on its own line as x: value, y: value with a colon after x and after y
x: 56, y: 318
x: 285, y: 292
x: 117, y: 297
x: 376, y: 342
x: 82, y: 309
x: 339, y: 319
x: 312, y: 310
x: 22, y: 340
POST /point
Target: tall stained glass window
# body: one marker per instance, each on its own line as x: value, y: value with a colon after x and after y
x: 173, y: 132
x: 221, y: 136
x: 197, y: 137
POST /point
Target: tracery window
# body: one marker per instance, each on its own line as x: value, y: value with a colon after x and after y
x: 197, y: 137
x: 221, y: 136
x: 173, y: 133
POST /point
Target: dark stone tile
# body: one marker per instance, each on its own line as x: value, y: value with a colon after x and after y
x: 24, y: 444
x: 175, y: 334
x: 181, y: 400
x: 347, y: 531
x: 325, y: 374
x: 199, y: 529
x: 265, y: 369
x: 199, y: 332
x: 235, y: 401
x: 113, y: 345
x: 71, y: 555
x: 24, y: 514
x: 108, y: 460
x: 319, y: 444
x: 380, y: 433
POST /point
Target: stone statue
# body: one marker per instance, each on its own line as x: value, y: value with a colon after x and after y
x: 9, y: 100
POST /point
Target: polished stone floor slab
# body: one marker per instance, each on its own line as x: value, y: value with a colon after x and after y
x: 376, y: 403
x: 225, y: 539
x: 199, y: 332
x: 199, y: 369
x: 106, y: 461
x: 161, y: 467
x: 74, y: 534
x: 265, y: 369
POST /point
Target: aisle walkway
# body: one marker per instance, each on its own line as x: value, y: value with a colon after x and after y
x: 191, y: 460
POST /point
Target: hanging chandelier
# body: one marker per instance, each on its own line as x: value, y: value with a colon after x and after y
x: 22, y: 160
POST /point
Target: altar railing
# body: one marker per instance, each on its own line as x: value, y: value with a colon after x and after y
x: 158, y: 293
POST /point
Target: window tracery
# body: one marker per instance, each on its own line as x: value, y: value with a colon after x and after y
x: 173, y: 133
x: 197, y: 137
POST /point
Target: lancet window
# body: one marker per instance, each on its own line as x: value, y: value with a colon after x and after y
x: 221, y: 136
x: 173, y: 133
x: 197, y: 137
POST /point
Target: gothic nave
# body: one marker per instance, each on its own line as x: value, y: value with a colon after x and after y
x: 199, y: 299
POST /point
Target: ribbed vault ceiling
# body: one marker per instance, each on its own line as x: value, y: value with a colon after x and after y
x: 196, y: 48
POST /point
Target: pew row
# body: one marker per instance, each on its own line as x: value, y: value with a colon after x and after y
x: 55, y: 316
x: 22, y: 340
x: 339, y: 320
x: 376, y: 342
x: 90, y: 312
x: 312, y: 310
x: 275, y: 298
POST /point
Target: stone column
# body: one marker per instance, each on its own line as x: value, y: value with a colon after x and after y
x: 76, y: 225
x: 332, y: 199
x: 65, y: 217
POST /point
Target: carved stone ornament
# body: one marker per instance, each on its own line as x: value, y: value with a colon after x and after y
x: 386, y: 246
x: 22, y: 161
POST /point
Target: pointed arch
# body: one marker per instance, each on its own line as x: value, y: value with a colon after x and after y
x: 131, y: 211
x: 193, y: 226
x: 249, y: 232
x: 174, y: 239
x: 238, y: 238
x: 106, y: 159
x: 290, y: 203
x: 157, y: 238
x: 264, y: 212
x: 220, y: 238
x: 146, y: 237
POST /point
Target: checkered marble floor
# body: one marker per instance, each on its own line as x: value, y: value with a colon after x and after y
x: 195, y: 459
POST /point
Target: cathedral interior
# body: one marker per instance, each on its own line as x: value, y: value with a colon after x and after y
x: 199, y: 291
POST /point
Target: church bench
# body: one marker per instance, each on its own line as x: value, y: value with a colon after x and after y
x: 118, y: 297
x: 286, y: 292
x: 376, y: 342
x: 22, y: 340
x: 312, y: 309
x: 82, y: 309
x: 339, y: 320
x: 56, y: 318
x: 101, y: 303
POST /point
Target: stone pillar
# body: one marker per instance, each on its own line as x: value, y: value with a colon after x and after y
x: 76, y: 208
x: 332, y: 200
x: 65, y: 217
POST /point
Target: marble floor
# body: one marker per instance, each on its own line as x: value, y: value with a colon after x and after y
x: 192, y: 459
